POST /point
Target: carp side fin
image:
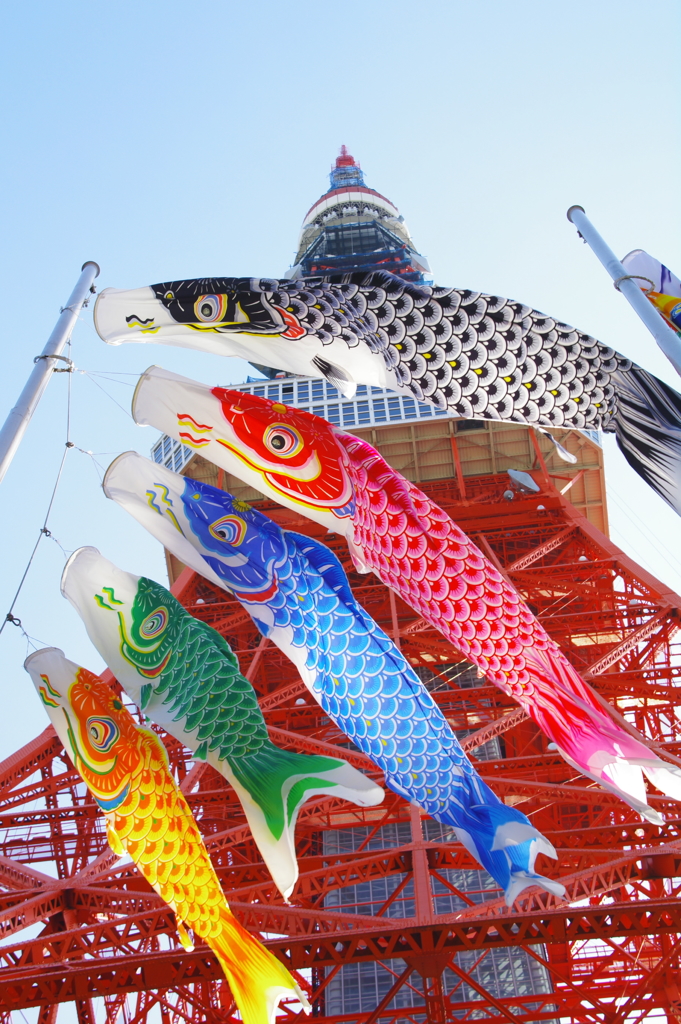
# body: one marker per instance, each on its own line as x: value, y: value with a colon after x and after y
x: 336, y: 376
x: 326, y: 564
x: 153, y: 742
x: 184, y: 937
x: 113, y: 839
x: 273, y: 784
x: 561, y: 452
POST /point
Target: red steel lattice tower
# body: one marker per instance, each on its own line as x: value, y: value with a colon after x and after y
x: 392, y: 917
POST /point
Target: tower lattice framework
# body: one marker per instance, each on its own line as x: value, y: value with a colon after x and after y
x: 79, y: 926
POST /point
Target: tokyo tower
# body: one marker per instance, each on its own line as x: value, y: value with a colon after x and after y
x: 392, y: 921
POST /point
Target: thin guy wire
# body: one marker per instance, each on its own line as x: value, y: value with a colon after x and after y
x: 44, y: 532
x: 110, y: 397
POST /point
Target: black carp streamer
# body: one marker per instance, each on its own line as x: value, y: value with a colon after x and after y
x: 477, y: 356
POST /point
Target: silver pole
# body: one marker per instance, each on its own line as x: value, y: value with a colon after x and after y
x: 20, y: 416
x: 666, y: 338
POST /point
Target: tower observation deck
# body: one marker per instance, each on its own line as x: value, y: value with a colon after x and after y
x: 353, y: 227
x: 391, y: 922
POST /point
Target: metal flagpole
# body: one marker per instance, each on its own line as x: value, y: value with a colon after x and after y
x: 20, y: 416
x: 666, y: 338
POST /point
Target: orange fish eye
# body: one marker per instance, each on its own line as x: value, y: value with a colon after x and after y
x: 283, y: 440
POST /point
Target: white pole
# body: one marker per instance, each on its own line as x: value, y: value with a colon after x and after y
x: 20, y: 416
x: 629, y: 286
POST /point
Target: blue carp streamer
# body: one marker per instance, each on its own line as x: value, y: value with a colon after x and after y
x: 299, y: 597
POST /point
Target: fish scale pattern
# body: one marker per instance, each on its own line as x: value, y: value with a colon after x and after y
x: 367, y: 687
x: 186, y: 678
x: 414, y: 547
x: 418, y: 551
x: 361, y: 680
x: 464, y: 351
x: 473, y: 354
x: 200, y: 682
x: 155, y: 826
x: 125, y: 766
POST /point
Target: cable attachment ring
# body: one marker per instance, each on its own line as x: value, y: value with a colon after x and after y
x: 634, y: 277
x: 70, y: 367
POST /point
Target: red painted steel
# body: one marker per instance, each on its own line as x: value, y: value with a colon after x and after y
x: 105, y: 941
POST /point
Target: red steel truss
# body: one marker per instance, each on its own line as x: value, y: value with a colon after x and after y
x: 78, y: 926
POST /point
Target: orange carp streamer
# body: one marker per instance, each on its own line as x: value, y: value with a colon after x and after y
x: 125, y: 767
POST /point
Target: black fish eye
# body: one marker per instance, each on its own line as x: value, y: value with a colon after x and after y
x: 278, y: 442
x: 207, y: 309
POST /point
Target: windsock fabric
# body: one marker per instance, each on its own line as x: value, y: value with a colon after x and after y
x: 298, y: 595
x: 661, y: 286
x: 652, y: 273
x: 125, y: 767
x: 184, y: 676
x: 412, y: 545
x: 478, y: 356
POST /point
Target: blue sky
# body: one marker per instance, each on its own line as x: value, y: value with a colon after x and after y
x: 167, y: 140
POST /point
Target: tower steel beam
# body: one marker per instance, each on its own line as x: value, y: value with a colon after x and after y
x: 611, y: 946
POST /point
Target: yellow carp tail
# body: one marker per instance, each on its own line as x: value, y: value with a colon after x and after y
x: 257, y: 979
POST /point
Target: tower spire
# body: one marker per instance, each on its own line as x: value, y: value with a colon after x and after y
x: 346, y: 171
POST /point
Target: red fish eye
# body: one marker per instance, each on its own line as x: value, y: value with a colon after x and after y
x: 210, y: 308
x: 283, y: 440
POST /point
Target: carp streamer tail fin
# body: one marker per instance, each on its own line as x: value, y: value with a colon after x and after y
x: 594, y: 738
x: 273, y: 784
x: 257, y: 979
x: 506, y: 844
x: 648, y: 428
